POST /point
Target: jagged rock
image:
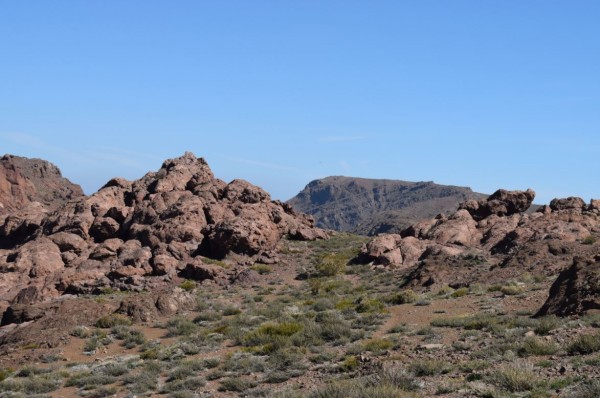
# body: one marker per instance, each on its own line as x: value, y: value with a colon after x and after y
x: 500, y: 203
x: 570, y: 203
x: 575, y: 291
x: 200, y: 271
x: 25, y: 181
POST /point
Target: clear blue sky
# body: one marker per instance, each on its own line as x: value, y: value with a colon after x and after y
x: 486, y: 94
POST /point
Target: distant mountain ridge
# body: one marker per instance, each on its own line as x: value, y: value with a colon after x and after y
x: 371, y: 206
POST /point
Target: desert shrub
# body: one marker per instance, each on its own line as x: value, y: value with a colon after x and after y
x: 142, y: 381
x: 188, y: 285
x: 244, y: 363
x: 377, y: 346
x: 364, y: 304
x: 514, y: 377
x: 190, y: 383
x: 80, y: 331
x: 4, y: 373
x: 331, y: 264
x: 113, y: 369
x: 349, y: 363
x: 89, y: 381
x: 511, y: 290
x: 102, y: 392
x: 130, y: 337
x: 231, y: 310
x: 463, y: 291
x: 546, y: 324
x: 236, y: 384
x: 186, y: 369
x: 536, y: 346
x: 111, y: 320
x: 588, y: 389
x: 207, y: 316
x: 589, y: 240
x: 262, y: 269
x: 585, y: 344
x: 181, y: 327
x: 266, y: 333
x: 404, y: 297
x: 30, y: 385
x: 399, y: 328
x: 429, y: 367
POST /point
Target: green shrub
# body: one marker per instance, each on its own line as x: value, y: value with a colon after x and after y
x: 188, y: 285
x: 585, y: 344
x: 515, y: 377
x: 109, y: 321
x: 463, y: 291
x: 349, y: 363
x: 181, y: 327
x: 377, y: 346
x: 537, y: 346
x: 331, y: 264
x: 236, y: 384
x: 429, y: 367
x: 588, y: 389
x: 511, y: 290
x: 262, y: 269
x: 589, y: 240
x: 404, y: 297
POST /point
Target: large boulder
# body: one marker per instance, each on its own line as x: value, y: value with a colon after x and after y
x: 500, y: 203
x: 576, y: 291
x: 570, y: 203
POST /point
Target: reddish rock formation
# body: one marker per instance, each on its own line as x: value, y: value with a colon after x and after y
x: 491, y: 239
x: 576, y: 290
x: 25, y: 181
x: 134, y: 235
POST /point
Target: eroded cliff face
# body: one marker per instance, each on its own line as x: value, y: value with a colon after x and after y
x: 135, y: 235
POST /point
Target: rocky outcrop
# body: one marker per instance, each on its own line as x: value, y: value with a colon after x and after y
x: 24, y: 182
x: 576, y: 290
x: 490, y: 240
x: 134, y: 235
x: 369, y: 207
x: 501, y: 203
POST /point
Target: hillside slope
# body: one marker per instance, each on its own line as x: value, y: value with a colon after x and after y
x: 369, y: 206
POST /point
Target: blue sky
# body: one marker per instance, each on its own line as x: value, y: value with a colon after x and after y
x: 486, y: 94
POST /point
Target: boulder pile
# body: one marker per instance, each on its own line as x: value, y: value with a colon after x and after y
x: 134, y: 235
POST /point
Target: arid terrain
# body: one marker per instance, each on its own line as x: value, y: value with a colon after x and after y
x: 181, y: 285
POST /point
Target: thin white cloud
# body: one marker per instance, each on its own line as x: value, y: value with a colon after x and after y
x: 345, y: 165
x: 341, y: 138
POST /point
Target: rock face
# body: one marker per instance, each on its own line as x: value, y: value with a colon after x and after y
x: 25, y: 181
x: 368, y: 207
x: 494, y: 239
x: 135, y: 235
x: 576, y: 290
